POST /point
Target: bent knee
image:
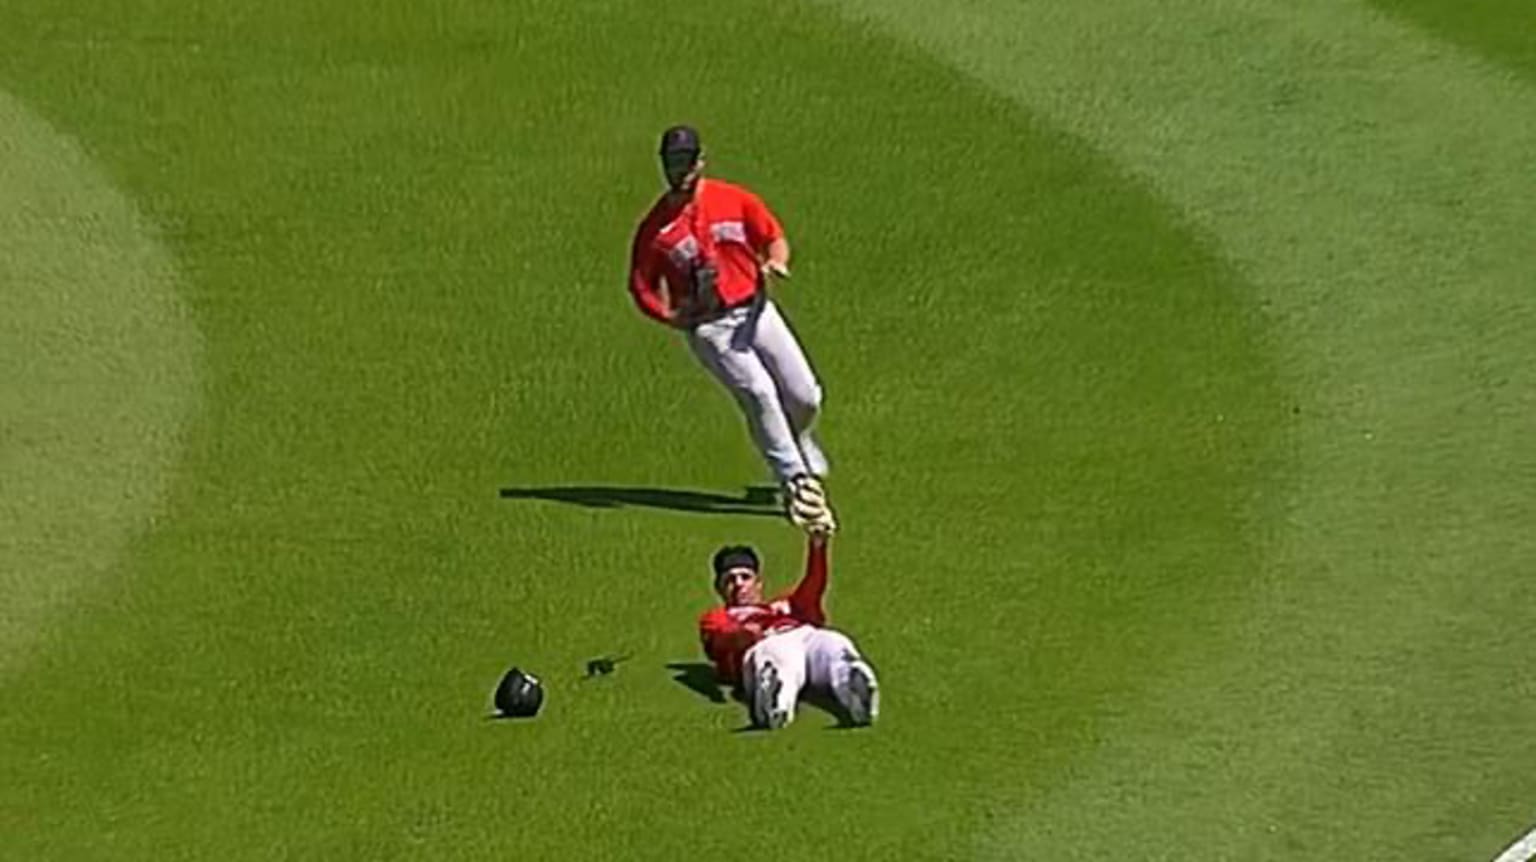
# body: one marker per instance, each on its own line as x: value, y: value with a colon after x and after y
x: 805, y: 398
x: 760, y: 394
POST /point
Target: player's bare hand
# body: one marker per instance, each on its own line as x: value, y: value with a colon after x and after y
x: 776, y: 269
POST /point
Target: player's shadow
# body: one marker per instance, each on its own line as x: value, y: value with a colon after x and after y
x: 699, y: 677
x: 755, y: 500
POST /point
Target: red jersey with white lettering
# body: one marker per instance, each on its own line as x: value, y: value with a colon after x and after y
x: 724, y: 226
x: 728, y: 632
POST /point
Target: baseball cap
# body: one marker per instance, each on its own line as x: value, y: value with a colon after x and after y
x: 680, y: 139
x: 735, y: 557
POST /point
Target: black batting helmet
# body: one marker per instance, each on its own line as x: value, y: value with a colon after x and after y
x: 519, y: 695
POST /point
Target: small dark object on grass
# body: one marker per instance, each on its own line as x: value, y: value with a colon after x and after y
x: 604, y: 665
x: 519, y: 695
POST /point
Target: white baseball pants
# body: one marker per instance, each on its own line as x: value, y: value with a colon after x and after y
x: 752, y: 351
x: 803, y: 656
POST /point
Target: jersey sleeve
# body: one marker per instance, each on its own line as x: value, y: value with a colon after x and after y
x: 805, y: 603
x: 725, y: 643
x: 761, y: 225
x: 645, y: 276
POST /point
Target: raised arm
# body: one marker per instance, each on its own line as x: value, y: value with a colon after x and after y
x: 805, y: 602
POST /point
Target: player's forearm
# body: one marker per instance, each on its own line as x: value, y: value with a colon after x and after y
x: 805, y: 602
x: 776, y: 258
x: 655, y: 309
x: 651, y: 301
x: 725, y: 651
x: 778, y: 253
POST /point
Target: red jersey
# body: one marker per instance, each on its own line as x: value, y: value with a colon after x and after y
x: 728, y: 632
x: 723, y: 225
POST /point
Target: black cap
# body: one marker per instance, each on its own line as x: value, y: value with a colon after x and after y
x: 735, y: 557
x: 680, y: 139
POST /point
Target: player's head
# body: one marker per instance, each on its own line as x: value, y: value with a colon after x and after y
x: 738, y: 575
x: 682, y: 158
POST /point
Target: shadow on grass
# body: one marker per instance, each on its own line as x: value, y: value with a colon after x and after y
x: 755, y: 500
x: 699, y: 678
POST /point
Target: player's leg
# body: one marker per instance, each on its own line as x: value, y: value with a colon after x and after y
x: 733, y: 361
x: 799, y: 388
x: 773, y: 673
x: 837, y: 665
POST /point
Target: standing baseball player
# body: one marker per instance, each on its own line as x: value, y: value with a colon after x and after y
x: 775, y: 649
x: 701, y: 262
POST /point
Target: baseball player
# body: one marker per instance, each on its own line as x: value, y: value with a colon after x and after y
x: 701, y: 261
x: 774, y: 649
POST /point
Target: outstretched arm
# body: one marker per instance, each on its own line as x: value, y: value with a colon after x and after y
x: 805, y: 601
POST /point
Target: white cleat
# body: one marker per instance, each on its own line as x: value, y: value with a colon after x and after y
x: 767, y: 713
x: 806, y: 488
x: 860, y: 695
x: 805, y: 502
x: 810, y: 486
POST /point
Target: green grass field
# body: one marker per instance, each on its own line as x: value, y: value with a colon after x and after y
x: 1179, y: 360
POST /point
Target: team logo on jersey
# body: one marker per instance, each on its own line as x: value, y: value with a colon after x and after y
x: 684, y: 252
x: 729, y: 231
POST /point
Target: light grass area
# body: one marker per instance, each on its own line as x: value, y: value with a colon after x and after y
x: 99, y: 366
x: 1082, y: 410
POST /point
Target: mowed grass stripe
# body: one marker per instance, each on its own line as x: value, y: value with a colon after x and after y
x: 99, y: 364
x: 1375, y: 185
x: 1502, y: 31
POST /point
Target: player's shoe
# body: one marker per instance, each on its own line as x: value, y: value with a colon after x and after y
x: 860, y: 695
x: 804, y: 486
x: 805, y: 500
x: 807, y: 486
x: 767, y: 712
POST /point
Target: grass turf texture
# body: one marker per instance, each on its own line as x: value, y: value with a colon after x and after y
x: 1065, y: 433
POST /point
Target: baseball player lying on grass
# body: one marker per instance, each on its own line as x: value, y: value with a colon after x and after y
x: 774, y: 649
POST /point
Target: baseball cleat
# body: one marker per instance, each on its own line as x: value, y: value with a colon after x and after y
x: 860, y: 695
x: 825, y: 525
x: 806, y: 501
x: 808, y: 487
x: 805, y: 515
x: 767, y: 713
